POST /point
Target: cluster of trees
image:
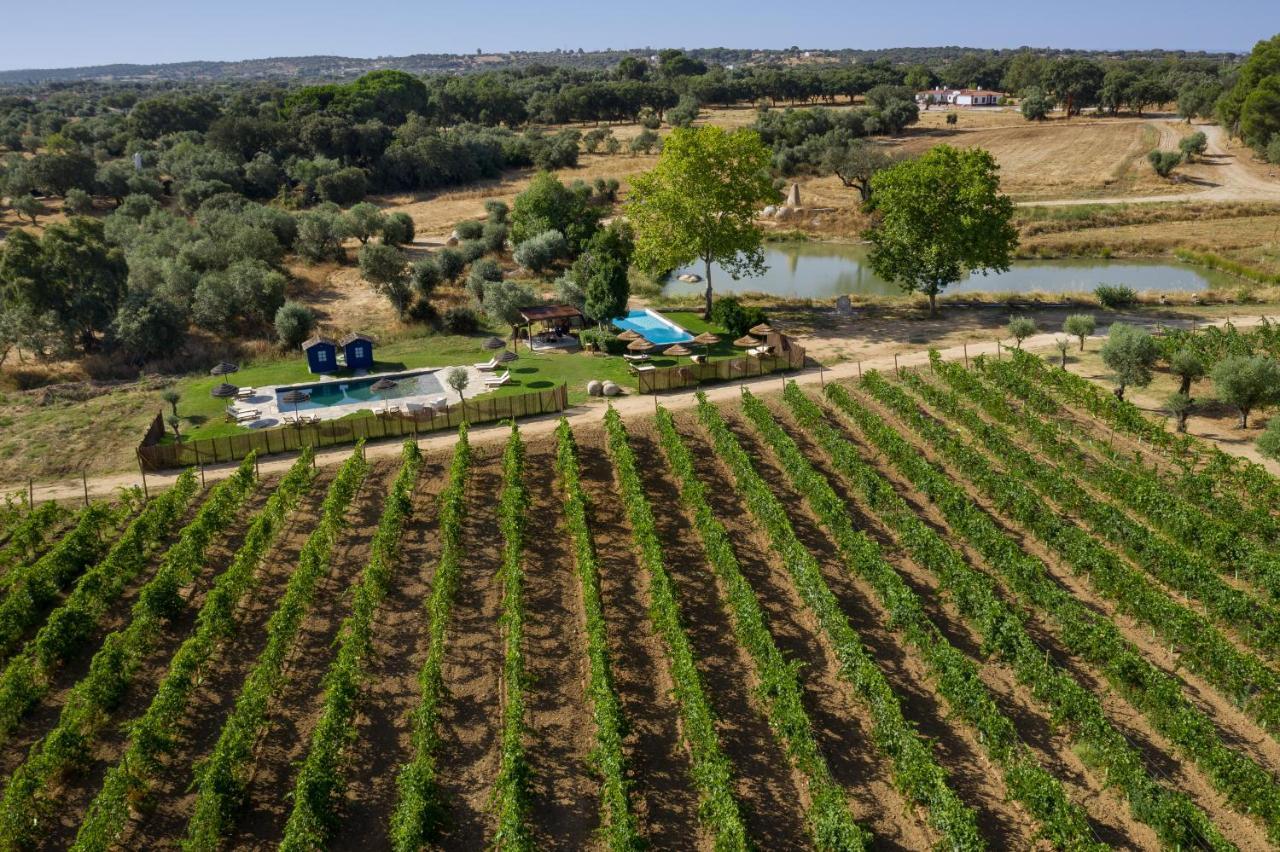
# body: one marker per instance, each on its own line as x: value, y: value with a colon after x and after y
x: 1250, y: 108
x: 139, y: 278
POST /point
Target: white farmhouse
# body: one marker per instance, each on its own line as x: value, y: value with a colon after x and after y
x: 959, y: 97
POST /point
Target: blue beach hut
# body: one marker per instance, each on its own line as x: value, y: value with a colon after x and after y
x: 357, y: 350
x: 322, y: 355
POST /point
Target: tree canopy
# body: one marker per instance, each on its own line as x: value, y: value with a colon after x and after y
x: 700, y: 202
x: 938, y: 217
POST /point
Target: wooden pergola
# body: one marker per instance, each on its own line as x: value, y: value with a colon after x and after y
x: 567, y: 315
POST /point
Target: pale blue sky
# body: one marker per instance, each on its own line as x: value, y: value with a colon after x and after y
x: 61, y: 33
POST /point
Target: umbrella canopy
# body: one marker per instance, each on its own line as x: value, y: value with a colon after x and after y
x: 382, y: 385
x: 628, y: 335
x: 745, y: 341
x: 294, y: 397
x: 223, y: 369
x: 494, y: 343
x: 639, y: 345
x: 676, y: 351
x: 706, y: 339
x: 761, y: 330
x: 508, y: 356
x: 224, y: 391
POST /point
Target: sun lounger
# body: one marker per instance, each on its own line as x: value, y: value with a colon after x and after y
x: 247, y: 417
x: 245, y: 393
x: 498, y: 381
x: 698, y: 359
x: 489, y: 365
x: 636, y: 359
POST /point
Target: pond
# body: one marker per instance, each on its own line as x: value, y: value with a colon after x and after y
x: 823, y: 270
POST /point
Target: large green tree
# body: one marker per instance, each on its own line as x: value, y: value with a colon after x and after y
x: 939, y: 216
x: 700, y: 202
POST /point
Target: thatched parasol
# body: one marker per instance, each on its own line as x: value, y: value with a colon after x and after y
x: 628, y: 335
x: 676, y: 351
x: 639, y: 345
x: 223, y: 369
x: 495, y: 343
x: 225, y: 391
x: 746, y: 341
x: 761, y: 330
x: 706, y: 339
x: 295, y: 398
x: 380, y: 387
x: 507, y: 357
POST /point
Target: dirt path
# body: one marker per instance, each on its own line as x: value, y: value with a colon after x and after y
x: 472, y: 664
x: 164, y: 825
x: 663, y: 796
x: 773, y: 799
x: 297, y: 707
x: 839, y: 721
x: 558, y: 713
x: 1230, y: 179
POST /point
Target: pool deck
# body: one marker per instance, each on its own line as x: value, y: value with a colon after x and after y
x: 272, y: 413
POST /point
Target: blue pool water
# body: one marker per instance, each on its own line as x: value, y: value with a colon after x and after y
x: 358, y: 391
x: 653, y: 327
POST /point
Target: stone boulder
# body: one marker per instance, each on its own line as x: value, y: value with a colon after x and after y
x: 611, y: 389
x: 595, y: 387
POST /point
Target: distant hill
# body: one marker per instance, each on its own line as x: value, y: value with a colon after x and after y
x: 337, y: 67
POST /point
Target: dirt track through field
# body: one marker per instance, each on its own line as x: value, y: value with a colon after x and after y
x: 163, y: 826
x: 1161, y: 756
x: 472, y: 664
x: 772, y: 798
x: 664, y: 799
x: 296, y: 709
x: 839, y: 720
x: 565, y: 789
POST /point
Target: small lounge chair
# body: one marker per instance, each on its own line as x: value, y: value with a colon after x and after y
x: 498, y: 381
x: 247, y: 417
x: 636, y: 359
x: 487, y: 366
x: 245, y: 393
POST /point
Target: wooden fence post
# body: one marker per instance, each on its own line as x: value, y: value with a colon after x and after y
x: 31, y: 493
x: 896, y: 368
x: 966, y: 355
x: 84, y: 480
x: 143, y: 471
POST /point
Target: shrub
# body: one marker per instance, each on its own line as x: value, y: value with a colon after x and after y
x: 1080, y: 326
x: 1194, y: 145
x: 731, y: 315
x: 450, y: 262
x: 398, y: 229
x: 461, y: 320
x: 1116, y: 296
x: 1269, y: 440
x: 605, y: 340
x: 1164, y: 162
x: 1246, y: 383
x: 423, y: 312
x: 345, y: 186
x: 496, y: 212
x: 425, y: 275
x: 78, y: 202
x: 952, y: 118
x: 1273, y: 150
x: 494, y: 237
x: 472, y: 250
x: 469, y: 229
x: 294, y: 323
x: 538, y: 253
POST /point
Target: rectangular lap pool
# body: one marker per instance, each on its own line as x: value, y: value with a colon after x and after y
x: 653, y: 327
x: 359, y: 391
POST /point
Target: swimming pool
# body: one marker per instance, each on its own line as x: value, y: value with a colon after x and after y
x: 356, y: 391
x: 653, y: 327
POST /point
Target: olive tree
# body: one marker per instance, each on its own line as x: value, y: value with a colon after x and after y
x: 398, y: 229
x: 294, y: 323
x: 1269, y: 441
x: 384, y: 267
x: 363, y: 221
x: 1164, y: 162
x: 1179, y: 405
x: 27, y: 205
x: 1080, y: 326
x: 1247, y: 382
x: 1188, y: 367
x: 1020, y: 328
x: 458, y: 379
x: 503, y: 301
x: 1129, y: 353
x: 1063, y: 345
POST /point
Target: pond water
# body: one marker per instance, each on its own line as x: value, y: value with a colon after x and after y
x: 823, y: 270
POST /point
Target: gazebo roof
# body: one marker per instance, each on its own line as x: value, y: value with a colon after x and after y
x: 541, y: 313
x: 354, y: 336
x: 316, y: 341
